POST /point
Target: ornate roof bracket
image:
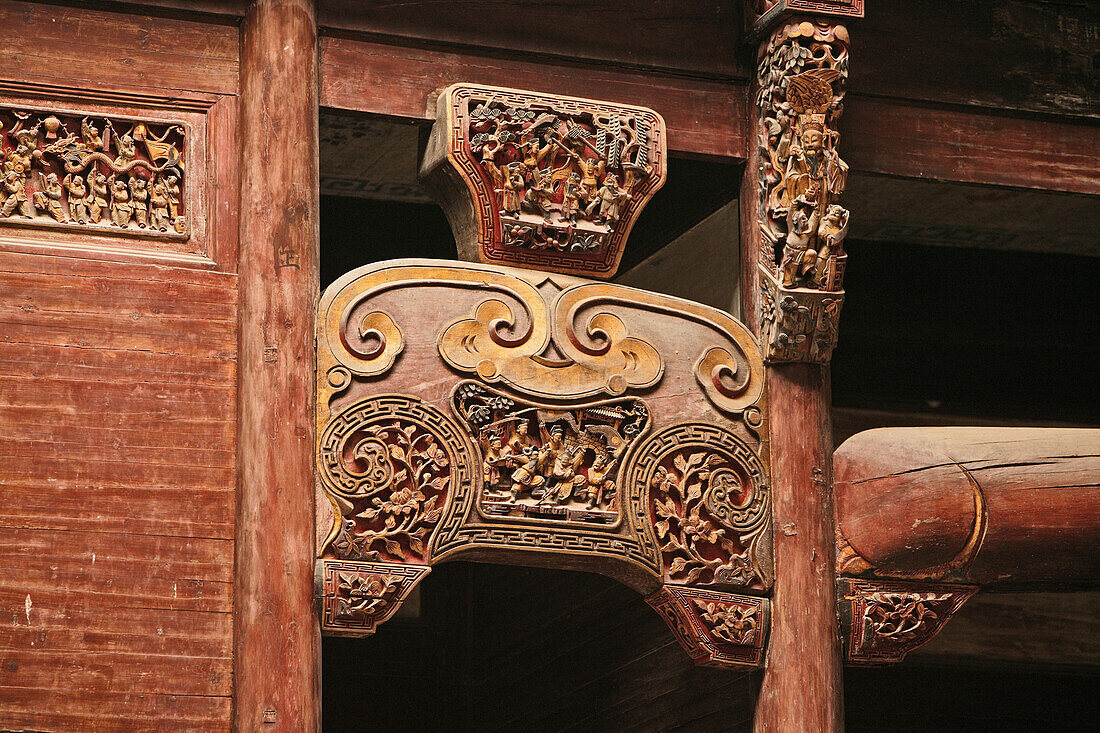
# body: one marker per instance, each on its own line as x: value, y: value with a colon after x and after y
x: 803, y: 69
x: 483, y: 413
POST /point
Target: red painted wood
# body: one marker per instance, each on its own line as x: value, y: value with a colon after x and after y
x: 277, y: 646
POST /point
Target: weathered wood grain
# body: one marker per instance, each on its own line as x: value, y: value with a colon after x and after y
x: 116, y: 495
x: 802, y: 687
x: 703, y: 117
x: 991, y: 506
x: 277, y: 637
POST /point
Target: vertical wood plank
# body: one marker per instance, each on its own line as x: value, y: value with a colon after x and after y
x: 277, y: 642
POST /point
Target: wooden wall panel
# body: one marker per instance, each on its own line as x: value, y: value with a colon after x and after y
x: 118, y: 400
x: 118, y: 393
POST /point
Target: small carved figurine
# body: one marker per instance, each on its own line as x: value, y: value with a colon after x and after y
x: 139, y: 198
x: 158, y: 208
x: 76, y: 198
x: 799, y: 259
x: 15, y: 186
x: 574, y: 197
x: 609, y: 197
x: 121, y: 208
x: 97, y: 195
x: 513, y: 185
x: 49, y: 198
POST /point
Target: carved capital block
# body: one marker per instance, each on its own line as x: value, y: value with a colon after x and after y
x: 716, y: 629
x: 357, y: 596
x: 802, y: 76
x: 543, y: 181
x: 474, y: 412
x: 885, y: 620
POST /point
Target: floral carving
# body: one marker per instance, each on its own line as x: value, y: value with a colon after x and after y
x: 888, y: 619
x: 357, y: 596
x: 708, y: 499
x: 389, y: 464
x: 729, y: 622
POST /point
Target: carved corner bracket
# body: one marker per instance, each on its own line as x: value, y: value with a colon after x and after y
x: 762, y: 15
x: 472, y: 412
x: 885, y: 620
x: 543, y: 181
x: 802, y: 74
x: 716, y: 629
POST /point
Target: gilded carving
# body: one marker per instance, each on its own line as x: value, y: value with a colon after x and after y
x: 389, y: 465
x: 357, y: 596
x: 708, y: 499
x: 802, y: 75
x: 92, y: 172
x: 716, y: 629
x: 888, y: 619
x: 544, y: 462
x: 556, y: 422
x: 540, y: 180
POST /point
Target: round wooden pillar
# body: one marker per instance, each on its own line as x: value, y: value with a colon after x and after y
x: 277, y: 641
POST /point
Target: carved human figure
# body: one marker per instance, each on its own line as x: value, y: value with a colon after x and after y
x: 521, y: 443
x: 76, y: 198
x: 97, y: 195
x: 15, y: 188
x: 121, y: 208
x: 538, y: 196
x: 172, y: 188
x: 512, y: 187
x: 609, y: 198
x: 158, y: 208
x: 831, y: 233
x: 497, y: 458
x: 49, y: 198
x: 90, y: 135
x: 127, y: 150
x: 19, y: 160
x: 601, y: 484
x: 488, y: 154
x: 532, y: 157
x: 560, y: 466
x: 574, y: 197
x: 139, y: 198
x: 799, y: 258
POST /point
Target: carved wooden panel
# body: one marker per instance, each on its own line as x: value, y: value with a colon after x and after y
x: 543, y: 181
x: 120, y: 176
x: 475, y: 412
x: 802, y: 74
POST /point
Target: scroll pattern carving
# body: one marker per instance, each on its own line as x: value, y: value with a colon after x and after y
x: 548, y: 429
x: 388, y: 465
x: 557, y: 182
x: 716, y: 629
x: 90, y: 171
x: 887, y: 620
x: 708, y: 498
x: 802, y: 75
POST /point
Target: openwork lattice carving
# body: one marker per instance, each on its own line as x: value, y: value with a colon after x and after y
x: 59, y: 169
x: 541, y: 180
x: 547, y: 427
x: 802, y: 75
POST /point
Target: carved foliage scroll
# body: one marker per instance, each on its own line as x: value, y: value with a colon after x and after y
x: 62, y: 169
x: 469, y: 411
x: 541, y: 180
x: 885, y: 620
x: 802, y: 75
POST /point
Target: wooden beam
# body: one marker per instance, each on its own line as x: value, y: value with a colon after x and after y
x: 982, y: 506
x: 277, y: 672
x: 703, y: 117
x: 970, y: 145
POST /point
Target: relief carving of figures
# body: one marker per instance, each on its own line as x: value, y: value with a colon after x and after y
x: 88, y: 171
x: 550, y: 182
x: 888, y: 619
x: 546, y: 462
x: 802, y: 75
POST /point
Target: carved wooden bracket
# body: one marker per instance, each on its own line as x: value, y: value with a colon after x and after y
x: 885, y: 620
x: 802, y: 74
x: 542, y: 181
x: 762, y: 16
x: 474, y: 412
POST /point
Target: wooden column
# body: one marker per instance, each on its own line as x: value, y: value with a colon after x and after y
x: 277, y: 644
x: 793, y: 260
x: 803, y: 687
